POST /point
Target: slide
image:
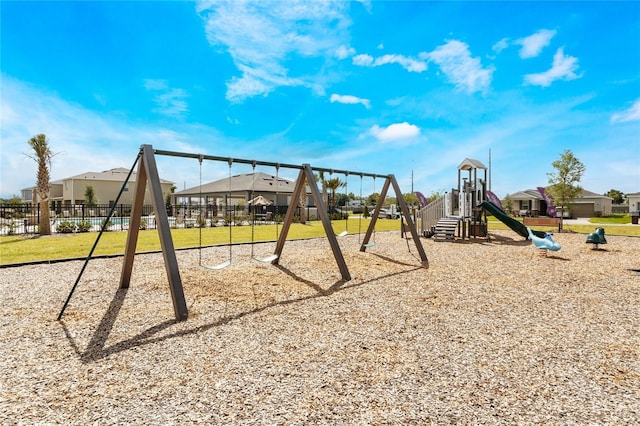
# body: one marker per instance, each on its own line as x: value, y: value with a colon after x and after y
x: 517, y: 226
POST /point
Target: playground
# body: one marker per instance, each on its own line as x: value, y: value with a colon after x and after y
x: 489, y: 333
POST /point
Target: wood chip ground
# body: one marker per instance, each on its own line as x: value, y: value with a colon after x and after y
x: 490, y: 333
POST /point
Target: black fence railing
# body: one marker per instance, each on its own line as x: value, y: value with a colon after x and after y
x: 64, y: 218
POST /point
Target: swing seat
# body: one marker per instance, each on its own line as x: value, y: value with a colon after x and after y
x: 369, y: 245
x: 267, y: 259
x: 218, y: 267
x: 343, y: 234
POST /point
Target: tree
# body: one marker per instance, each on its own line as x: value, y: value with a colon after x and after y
x: 43, y: 155
x: 372, y: 199
x: 332, y: 185
x: 342, y: 199
x: 564, y: 181
x: 411, y: 199
x: 507, y: 204
x: 14, y: 201
x: 90, y: 196
x: 167, y: 199
x: 618, y: 196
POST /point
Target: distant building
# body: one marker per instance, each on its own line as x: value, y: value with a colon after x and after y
x: 106, y: 185
x: 239, y: 189
x: 529, y: 202
x: 634, y: 203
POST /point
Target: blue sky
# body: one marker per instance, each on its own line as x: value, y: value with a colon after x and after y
x: 381, y: 87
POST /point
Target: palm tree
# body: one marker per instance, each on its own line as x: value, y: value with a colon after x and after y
x: 43, y: 155
x: 333, y: 184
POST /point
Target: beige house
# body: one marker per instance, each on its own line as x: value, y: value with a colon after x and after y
x: 634, y: 203
x: 106, y: 185
x: 531, y: 203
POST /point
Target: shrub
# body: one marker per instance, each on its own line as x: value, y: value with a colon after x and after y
x: 11, y: 227
x: 106, y: 224
x: 143, y: 225
x: 66, y: 227
x: 84, y: 226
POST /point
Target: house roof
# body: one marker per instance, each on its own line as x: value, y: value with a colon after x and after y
x: 526, y: 194
x: 119, y: 174
x: 529, y: 194
x: 255, y: 182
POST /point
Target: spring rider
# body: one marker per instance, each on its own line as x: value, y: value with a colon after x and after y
x: 596, y: 237
x: 544, y: 244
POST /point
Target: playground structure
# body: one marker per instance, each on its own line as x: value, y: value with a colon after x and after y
x: 463, y: 211
x: 148, y: 179
x: 460, y: 210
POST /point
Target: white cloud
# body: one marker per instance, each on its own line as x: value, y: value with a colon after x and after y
x: 501, y: 45
x: 155, y: 84
x: 84, y: 140
x: 343, y: 52
x: 464, y: 71
x: 533, y: 45
x: 262, y: 36
x: 409, y: 64
x: 395, y: 132
x: 170, y: 101
x: 631, y: 114
x: 349, y: 99
x: 363, y: 60
x: 563, y: 68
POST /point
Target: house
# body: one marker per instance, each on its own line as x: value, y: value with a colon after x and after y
x: 634, y: 203
x: 239, y: 190
x: 106, y: 186
x: 530, y: 202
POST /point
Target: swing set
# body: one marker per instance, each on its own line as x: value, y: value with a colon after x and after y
x: 147, y: 177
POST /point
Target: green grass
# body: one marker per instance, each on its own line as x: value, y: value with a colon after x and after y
x: 621, y: 219
x: 626, y: 231
x: 20, y: 249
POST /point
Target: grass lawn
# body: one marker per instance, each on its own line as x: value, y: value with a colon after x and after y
x: 30, y: 248
x: 620, y: 219
x: 627, y: 231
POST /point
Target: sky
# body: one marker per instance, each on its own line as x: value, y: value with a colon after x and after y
x: 387, y: 87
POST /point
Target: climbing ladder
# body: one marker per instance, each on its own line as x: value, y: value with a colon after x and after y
x: 445, y: 229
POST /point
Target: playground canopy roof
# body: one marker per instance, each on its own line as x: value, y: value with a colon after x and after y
x: 470, y: 163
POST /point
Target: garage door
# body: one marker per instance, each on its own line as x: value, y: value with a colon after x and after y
x: 582, y: 210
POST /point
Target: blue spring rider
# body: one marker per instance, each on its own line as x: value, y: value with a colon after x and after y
x: 544, y: 244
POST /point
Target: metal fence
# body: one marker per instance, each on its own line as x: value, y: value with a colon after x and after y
x: 25, y: 218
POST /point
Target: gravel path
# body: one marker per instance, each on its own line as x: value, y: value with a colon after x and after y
x: 490, y: 333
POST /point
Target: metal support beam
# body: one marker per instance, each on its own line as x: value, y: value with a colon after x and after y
x: 410, y: 224
x: 306, y: 174
x: 148, y: 173
x: 376, y: 213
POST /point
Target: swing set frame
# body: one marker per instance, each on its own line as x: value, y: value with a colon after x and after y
x: 147, y: 178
